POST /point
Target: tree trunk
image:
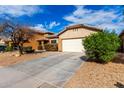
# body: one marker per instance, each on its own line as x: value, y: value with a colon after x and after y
x: 20, y: 50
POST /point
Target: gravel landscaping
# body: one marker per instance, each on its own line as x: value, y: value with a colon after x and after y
x: 95, y: 75
x: 9, y: 58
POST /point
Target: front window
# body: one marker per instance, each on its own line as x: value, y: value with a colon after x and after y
x: 53, y: 41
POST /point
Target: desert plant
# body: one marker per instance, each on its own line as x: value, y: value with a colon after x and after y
x: 101, y: 46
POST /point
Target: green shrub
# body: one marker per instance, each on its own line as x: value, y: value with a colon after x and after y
x: 51, y: 47
x: 101, y: 46
x: 9, y: 48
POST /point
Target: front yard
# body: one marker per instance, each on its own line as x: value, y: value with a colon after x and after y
x: 9, y: 58
x: 93, y: 75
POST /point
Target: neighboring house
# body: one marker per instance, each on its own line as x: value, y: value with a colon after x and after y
x: 3, y: 43
x: 38, y: 39
x: 70, y: 40
x: 122, y: 41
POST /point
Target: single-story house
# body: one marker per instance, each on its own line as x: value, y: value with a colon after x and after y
x: 122, y: 41
x: 70, y: 39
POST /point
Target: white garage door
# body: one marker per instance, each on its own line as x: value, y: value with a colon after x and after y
x: 72, y: 45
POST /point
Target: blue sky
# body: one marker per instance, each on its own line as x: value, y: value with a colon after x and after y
x: 56, y: 17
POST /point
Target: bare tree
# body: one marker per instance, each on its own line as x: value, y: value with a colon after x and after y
x: 18, y: 34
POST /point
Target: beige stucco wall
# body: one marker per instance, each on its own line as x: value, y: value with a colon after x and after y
x: 2, y: 42
x: 33, y: 41
x: 81, y: 32
x: 70, y: 34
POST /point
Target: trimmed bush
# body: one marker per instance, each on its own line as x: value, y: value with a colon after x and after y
x: 51, y: 47
x: 101, y: 46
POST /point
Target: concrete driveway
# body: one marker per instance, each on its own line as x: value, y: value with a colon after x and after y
x: 52, y: 71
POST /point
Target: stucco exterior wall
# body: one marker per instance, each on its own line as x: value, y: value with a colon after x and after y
x: 74, y: 33
x: 33, y: 41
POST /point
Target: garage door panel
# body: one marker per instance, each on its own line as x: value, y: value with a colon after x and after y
x: 72, y: 45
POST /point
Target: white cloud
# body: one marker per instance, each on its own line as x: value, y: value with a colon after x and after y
x: 53, y: 24
x: 20, y: 10
x: 118, y: 27
x: 80, y: 11
x: 100, y: 18
x: 45, y: 27
x: 39, y: 27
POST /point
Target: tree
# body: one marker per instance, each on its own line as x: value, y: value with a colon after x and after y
x: 102, y: 46
x: 18, y: 34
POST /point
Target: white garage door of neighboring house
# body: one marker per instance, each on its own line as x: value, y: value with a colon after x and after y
x: 72, y: 45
